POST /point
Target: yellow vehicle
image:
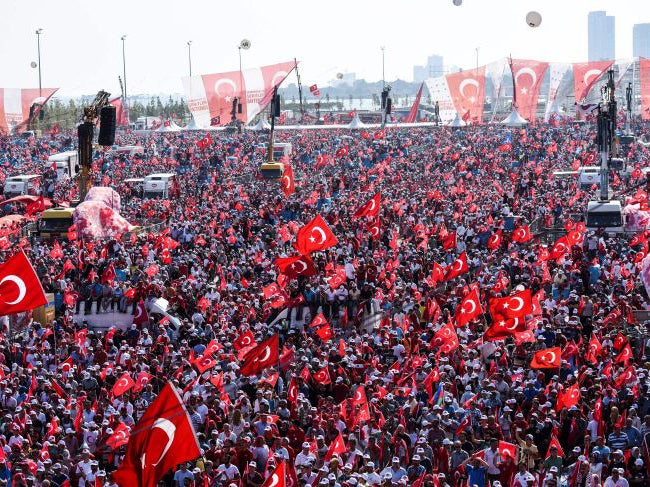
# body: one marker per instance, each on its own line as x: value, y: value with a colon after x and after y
x: 55, y: 222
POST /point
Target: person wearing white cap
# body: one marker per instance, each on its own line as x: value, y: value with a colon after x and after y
x: 395, y: 471
x: 305, y: 456
x: 616, y: 479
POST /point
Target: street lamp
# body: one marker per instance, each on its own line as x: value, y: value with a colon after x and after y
x: 124, y: 65
x: 477, y: 60
x: 383, y: 64
x: 38, y: 43
x: 189, y: 55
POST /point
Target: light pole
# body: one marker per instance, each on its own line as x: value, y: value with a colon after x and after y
x: 383, y: 65
x: 124, y: 65
x: 189, y: 55
x: 477, y: 60
x: 38, y: 44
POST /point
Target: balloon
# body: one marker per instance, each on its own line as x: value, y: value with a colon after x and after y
x: 458, y: 3
x: 533, y: 19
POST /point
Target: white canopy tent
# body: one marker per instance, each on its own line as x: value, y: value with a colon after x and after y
x: 261, y: 124
x: 356, y: 122
x: 514, y: 119
x: 193, y: 125
x: 457, y: 122
x: 168, y: 126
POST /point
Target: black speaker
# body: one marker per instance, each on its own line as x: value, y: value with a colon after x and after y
x: 389, y: 105
x: 85, y: 133
x: 107, y: 128
x: 239, y: 108
x: 276, y: 106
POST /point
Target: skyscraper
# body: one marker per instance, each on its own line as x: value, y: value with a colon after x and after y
x: 601, y: 29
x: 432, y: 69
x: 641, y: 40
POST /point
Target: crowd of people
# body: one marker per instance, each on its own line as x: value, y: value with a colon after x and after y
x: 392, y: 387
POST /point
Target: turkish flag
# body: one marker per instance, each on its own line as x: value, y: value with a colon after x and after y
x: 325, y: 333
x: 204, y: 363
x: 449, y: 241
x: 586, y: 75
x: 314, y: 237
x: 213, y: 347
x: 527, y: 76
x: 507, y: 449
x: 271, y: 290
x: 625, y: 356
x: 297, y: 265
x: 548, y: 358
x: 20, y: 288
x: 467, y: 90
x: 469, y: 308
x: 322, y: 376
x: 521, y: 234
x: 122, y: 385
x: 287, y: 181
x: 142, y: 380
x: 594, y: 350
x: 568, y: 397
x: 292, y: 391
x: 319, y: 320
x: 620, y: 341
x: 57, y: 251
x: 374, y: 228
x: 501, y: 329
x: 163, y: 438
x: 370, y: 207
x: 261, y: 357
x: 560, y: 247
x: 516, y: 305
x: 120, y: 436
x: 336, y: 448
x: 244, y: 340
x: 457, y: 268
x: 495, y: 240
x: 359, y: 396
x: 140, y: 317
x: 278, y: 478
x: 625, y: 377
x: 555, y: 443
x: 445, y: 338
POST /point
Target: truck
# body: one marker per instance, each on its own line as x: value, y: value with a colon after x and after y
x: 160, y: 185
x: 67, y: 164
x: 55, y: 223
x: 31, y: 184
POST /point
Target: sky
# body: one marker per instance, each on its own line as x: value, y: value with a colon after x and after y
x: 81, y: 50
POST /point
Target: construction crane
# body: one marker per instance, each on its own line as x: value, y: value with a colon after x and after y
x: 85, y: 133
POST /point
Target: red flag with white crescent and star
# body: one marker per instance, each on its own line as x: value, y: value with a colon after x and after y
x: 287, y: 182
x: 261, y: 357
x: 120, y: 436
x: 140, y: 317
x: 278, y: 478
x: 122, y: 385
x: 297, y: 265
x: 457, y: 267
x: 163, y: 438
x: 548, y: 358
x: 521, y: 234
x: 244, y: 340
x: 468, y: 309
x: 516, y: 305
x: 20, y: 287
x: 314, y: 237
x: 369, y: 208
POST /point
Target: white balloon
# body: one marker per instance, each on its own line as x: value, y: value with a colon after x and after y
x: 533, y: 19
x: 33, y: 64
x: 458, y: 3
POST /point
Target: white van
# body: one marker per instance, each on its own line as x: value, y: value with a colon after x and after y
x: 160, y: 185
x: 67, y: 164
x: 28, y: 184
x: 607, y: 215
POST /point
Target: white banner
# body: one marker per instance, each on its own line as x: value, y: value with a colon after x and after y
x: 439, y: 92
x: 560, y: 85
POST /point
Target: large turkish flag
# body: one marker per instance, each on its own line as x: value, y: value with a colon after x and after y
x: 467, y: 90
x: 20, y: 287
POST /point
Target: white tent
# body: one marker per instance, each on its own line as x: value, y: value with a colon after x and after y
x: 193, y: 125
x: 168, y: 126
x: 457, y: 122
x: 356, y: 122
x: 261, y: 124
x: 514, y: 119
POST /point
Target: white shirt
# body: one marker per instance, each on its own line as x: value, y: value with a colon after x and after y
x: 621, y: 482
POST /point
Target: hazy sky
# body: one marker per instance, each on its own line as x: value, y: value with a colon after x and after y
x: 81, y: 51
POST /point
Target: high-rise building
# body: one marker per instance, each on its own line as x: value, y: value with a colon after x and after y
x: 601, y: 31
x: 641, y: 40
x: 432, y: 69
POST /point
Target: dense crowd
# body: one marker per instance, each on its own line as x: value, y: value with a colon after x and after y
x: 413, y: 405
